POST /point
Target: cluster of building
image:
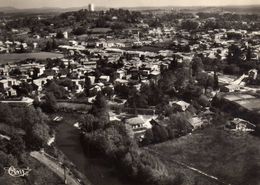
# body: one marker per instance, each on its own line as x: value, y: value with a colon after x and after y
x: 15, y: 46
x: 83, y: 57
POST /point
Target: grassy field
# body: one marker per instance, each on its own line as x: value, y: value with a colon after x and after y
x: 232, y: 157
x: 16, y: 57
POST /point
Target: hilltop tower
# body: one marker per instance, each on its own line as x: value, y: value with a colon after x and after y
x: 91, y: 7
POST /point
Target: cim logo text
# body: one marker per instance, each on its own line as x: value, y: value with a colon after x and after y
x: 16, y: 172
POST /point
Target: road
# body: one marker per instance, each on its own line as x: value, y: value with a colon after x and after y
x: 55, y: 167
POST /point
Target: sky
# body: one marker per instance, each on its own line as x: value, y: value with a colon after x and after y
x: 121, y: 3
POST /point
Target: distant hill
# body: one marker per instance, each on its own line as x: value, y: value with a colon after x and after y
x: 33, y: 10
x: 44, y: 9
x: 238, y: 9
x: 249, y: 9
x: 243, y: 9
x: 7, y: 9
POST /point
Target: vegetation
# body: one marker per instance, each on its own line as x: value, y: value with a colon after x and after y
x: 176, y: 126
x: 28, y: 130
x: 32, y: 121
x: 217, y: 152
x: 180, y: 78
x: 114, y: 141
x: 40, y: 174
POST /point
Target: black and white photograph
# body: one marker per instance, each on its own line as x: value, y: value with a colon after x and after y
x: 129, y: 92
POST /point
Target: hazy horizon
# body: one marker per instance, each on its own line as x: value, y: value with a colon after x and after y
x: 121, y: 3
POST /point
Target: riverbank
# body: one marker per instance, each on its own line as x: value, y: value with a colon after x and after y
x: 97, y: 170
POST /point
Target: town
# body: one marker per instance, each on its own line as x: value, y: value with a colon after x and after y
x: 166, y: 96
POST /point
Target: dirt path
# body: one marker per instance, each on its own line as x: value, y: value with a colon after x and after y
x: 56, y: 168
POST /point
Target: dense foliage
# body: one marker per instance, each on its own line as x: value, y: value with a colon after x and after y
x: 115, y: 141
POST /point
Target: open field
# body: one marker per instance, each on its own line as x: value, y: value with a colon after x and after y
x: 16, y: 57
x: 231, y: 157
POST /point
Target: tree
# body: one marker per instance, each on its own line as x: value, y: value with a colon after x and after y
x: 160, y: 133
x: 118, y: 26
x: 79, y: 31
x: 210, y: 24
x: 54, y: 44
x: 122, y: 91
x: 197, y: 66
x: 57, y: 90
x: 204, y: 101
x: 88, y: 122
x: 234, y: 54
x: 152, y: 92
x: 50, y: 104
x: 100, y: 102
x: 249, y: 54
x: 137, y: 100
x: 36, y: 72
x: 15, y: 72
x: 40, y: 134
x: 150, y: 168
x: 22, y: 49
x: 87, y: 86
x: 67, y: 82
x: 48, y: 46
x: 113, y: 76
x: 179, y: 122
x: 7, y: 159
x: 130, y: 163
x: 183, y: 76
x: 16, y: 145
x: 100, y: 110
x: 108, y: 91
x: 202, y: 79
x: 190, y: 24
x: 173, y: 65
x: 24, y: 89
x: 59, y: 35
x: 216, y: 85
x: 148, y: 137
x: 167, y: 82
x: 210, y: 82
x: 192, y: 92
